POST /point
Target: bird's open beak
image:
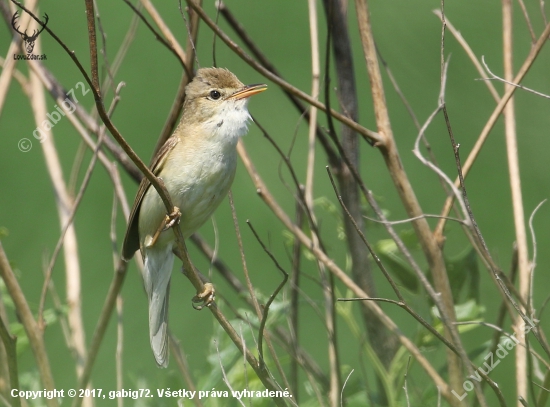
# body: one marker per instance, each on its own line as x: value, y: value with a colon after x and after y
x: 248, y: 91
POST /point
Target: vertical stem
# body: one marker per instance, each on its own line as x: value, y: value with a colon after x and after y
x: 90, y: 16
x: 383, y: 343
x: 315, y: 73
x: 9, y: 63
x: 24, y: 312
x: 399, y: 177
x: 119, y: 348
x: 9, y: 376
x: 327, y: 280
x: 65, y: 203
x: 294, y: 305
x: 517, y: 202
x: 101, y: 327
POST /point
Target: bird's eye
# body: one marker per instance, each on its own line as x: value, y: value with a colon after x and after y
x: 214, y: 94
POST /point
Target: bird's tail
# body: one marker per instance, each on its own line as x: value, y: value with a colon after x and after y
x: 156, y: 276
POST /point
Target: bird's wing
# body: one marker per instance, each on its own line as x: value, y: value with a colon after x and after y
x: 131, y: 240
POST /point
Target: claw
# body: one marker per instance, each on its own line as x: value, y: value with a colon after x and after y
x: 167, y: 223
x: 172, y: 219
x: 206, y: 297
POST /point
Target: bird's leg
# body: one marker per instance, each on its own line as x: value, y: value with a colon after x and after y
x: 167, y: 223
x: 205, y: 298
x: 172, y: 219
x: 208, y: 294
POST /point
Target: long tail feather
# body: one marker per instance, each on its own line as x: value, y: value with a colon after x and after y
x: 157, y: 271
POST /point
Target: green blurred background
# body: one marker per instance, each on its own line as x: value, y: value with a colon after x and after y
x: 408, y: 36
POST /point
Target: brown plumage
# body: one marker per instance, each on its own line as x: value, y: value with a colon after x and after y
x: 197, y: 164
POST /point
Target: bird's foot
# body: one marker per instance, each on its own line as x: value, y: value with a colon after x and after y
x: 172, y: 219
x: 206, y: 297
x: 167, y: 223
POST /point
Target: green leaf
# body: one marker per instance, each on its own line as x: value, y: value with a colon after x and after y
x: 410, y: 239
x: 469, y: 311
x: 463, y: 270
x: 387, y: 252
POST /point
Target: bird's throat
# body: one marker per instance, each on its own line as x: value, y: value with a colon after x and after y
x: 229, y: 122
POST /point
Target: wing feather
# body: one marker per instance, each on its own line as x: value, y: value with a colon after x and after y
x: 131, y: 240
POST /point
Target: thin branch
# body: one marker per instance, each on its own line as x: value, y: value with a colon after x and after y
x: 119, y: 348
x: 469, y: 52
x: 68, y: 223
x: 315, y: 73
x: 225, y: 379
x: 101, y: 327
x: 190, y: 37
x: 486, y: 253
x: 533, y: 263
x: 368, y: 134
x: 63, y: 202
x: 177, y: 105
x: 261, y: 314
x: 327, y: 281
x: 498, y: 78
x: 239, y: 30
x: 249, y: 286
x: 273, y: 295
x: 409, y: 220
x: 93, y: 82
x: 410, y: 110
x: 428, y: 163
x: 527, y: 20
x: 468, y: 163
x: 157, y: 183
x: 9, y: 66
x: 170, y: 38
x: 517, y: 198
x: 34, y: 334
x: 181, y: 361
x: 284, y: 339
x: 266, y: 196
x: 500, y: 331
x: 343, y: 387
x: 400, y: 179
x: 171, y: 43
x: 10, y: 342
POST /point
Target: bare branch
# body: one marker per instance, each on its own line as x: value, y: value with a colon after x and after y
x: 468, y: 163
x: 498, y: 78
x: 31, y: 327
x: 368, y: 134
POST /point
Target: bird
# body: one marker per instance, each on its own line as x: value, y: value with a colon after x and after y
x: 197, y: 165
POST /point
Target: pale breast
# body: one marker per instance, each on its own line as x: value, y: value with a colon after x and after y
x: 199, y: 198
x: 197, y: 180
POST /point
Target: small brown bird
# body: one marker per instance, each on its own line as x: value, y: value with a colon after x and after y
x: 197, y: 164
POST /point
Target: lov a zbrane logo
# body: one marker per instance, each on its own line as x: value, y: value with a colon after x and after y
x: 29, y: 39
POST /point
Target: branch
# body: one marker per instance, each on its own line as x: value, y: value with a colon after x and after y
x: 10, y: 342
x: 399, y: 177
x: 498, y: 78
x: 239, y: 30
x: 529, y: 60
x: 368, y: 134
x: 266, y: 196
x: 34, y: 334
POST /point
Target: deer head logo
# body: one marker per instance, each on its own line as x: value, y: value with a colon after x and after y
x: 29, y: 40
